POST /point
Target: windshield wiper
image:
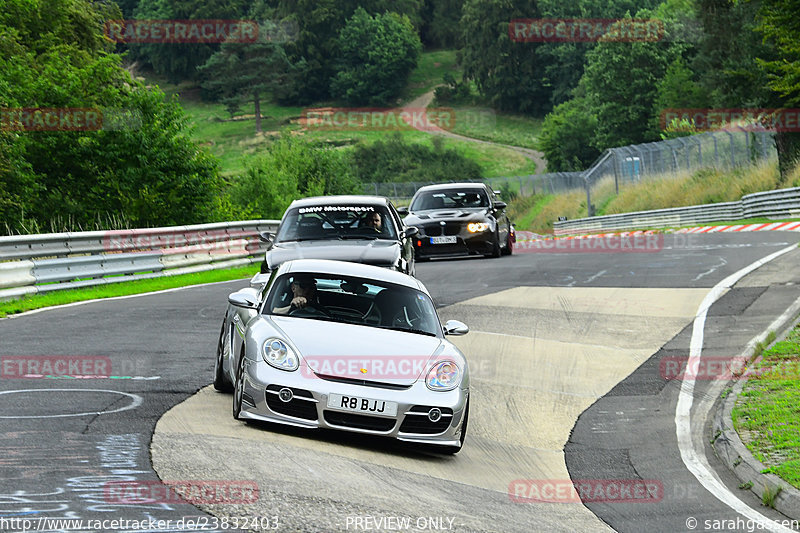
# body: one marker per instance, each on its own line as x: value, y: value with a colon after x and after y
x: 358, y: 237
x: 409, y: 330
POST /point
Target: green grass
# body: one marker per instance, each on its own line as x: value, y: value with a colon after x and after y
x: 429, y: 72
x: 38, y: 301
x: 233, y: 140
x: 488, y: 125
x: 767, y: 413
x: 684, y: 189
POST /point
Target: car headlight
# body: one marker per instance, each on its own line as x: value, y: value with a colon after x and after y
x: 278, y: 354
x: 477, y: 227
x: 443, y: 376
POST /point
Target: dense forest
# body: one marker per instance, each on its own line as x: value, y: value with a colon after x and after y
x: 143, y: 166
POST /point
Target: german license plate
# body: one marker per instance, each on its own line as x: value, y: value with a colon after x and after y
x: 355, y: 404
x: 443, y: 240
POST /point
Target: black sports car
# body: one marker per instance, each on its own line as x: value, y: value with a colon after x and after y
x: 457, y: 219
x: 360, y: 229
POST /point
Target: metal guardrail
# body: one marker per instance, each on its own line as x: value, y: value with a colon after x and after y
x: 54, y: 261
x: 783, y: 203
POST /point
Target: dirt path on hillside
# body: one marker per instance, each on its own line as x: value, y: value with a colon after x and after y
x: 535, y: 156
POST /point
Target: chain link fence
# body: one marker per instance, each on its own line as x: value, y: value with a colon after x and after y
x: 631, y: 164
x: 553, y: 183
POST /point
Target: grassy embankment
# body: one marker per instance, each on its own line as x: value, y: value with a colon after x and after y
x: 537, y: 213
x: 233, y: 139
x: 766, y: 413
x: 37, y: 301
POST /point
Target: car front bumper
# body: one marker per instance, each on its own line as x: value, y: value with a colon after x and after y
x: 309, y: 406
x: 466, y: 244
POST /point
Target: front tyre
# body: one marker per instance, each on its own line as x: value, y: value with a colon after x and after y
x: 238, y: 392
x: 221, y: 383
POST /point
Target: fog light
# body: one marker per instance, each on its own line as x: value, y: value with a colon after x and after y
x: 434, y: 415
x: 285, y: 395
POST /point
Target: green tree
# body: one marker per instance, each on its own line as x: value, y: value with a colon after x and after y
x: 313, y: 52
x: 179, y: 61
x: 375, y: 58
x: 564, y: 62
x: 440, y: 28
x: 780, y: 24
x: 621, y: 83
x: 142, y: 164
x: 727, y: 55
x: 509, y: 75
x: 678, y: 90
x: 246, y: 72
x: 567, y: 136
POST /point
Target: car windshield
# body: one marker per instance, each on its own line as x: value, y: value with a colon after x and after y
x: 450, y: 199
x: 353, y: 300
x: 327, y: 222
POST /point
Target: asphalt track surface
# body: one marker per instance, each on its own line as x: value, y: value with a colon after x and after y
x: 64, y: 440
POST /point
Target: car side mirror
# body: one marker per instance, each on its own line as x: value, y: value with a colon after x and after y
x: 244, y: 299
x: 266, y: 237
x: 500, y: 205
x: 410, y: 231
x: 454, y: 327
x: 402, y: 211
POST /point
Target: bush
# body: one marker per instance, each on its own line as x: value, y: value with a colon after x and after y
x: 399, y: 161
x: 291, y: 168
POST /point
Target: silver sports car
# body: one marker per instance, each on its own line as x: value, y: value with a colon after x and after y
x: 346, y: 346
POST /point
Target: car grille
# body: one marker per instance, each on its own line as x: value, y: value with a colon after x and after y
x: 349, y: 420
x: 417, y: 421
x: 436, y: 229
x: 302, y: 405
x: 363, y: 382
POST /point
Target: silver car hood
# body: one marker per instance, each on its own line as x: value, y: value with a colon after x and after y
x: 365, y: 353
x: 379, y: 252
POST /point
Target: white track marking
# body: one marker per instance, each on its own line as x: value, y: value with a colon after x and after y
x: 136, y: 402
x: 692, y: 458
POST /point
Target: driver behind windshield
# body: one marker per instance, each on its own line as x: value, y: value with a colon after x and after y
x: 304, y: 291
x: 373, y: 220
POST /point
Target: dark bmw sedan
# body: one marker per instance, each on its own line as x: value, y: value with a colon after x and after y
x: 359, y: 229
x: 457, y: 219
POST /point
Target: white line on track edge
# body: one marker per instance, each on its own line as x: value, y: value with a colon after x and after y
x: 693, y: 459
